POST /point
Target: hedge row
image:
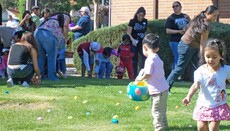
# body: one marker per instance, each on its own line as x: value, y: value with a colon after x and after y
x: 111, y: 36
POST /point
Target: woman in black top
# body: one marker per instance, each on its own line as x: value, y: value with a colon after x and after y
x: 136, y: 30
x: 175, y: 27
x: 22, y: 61
x: 27, y: 24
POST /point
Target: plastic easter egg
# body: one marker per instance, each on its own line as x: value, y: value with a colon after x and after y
x: 6, y: 92
x: 115, y: 116
x: 138, y: 91
x: 137, y: 108
x: 115, y: 121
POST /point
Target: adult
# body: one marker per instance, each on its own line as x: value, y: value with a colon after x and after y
x: 36, y: 11
x: 22, y: 61
x: 6, y: 35
x: 86, y: 52
x: 12, y: 22
x: 175, y: 27
x: 27, y: 24
x: 49, y: 35
x: 83, y: 26
x: 136, y: 30
x: 193, y: 41
x: 45, y: 15
x: 0, y: 14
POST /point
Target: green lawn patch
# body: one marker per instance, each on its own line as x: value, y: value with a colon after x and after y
x: 82, y: 104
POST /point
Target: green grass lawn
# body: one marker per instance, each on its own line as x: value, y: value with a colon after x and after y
x: 82, y: 104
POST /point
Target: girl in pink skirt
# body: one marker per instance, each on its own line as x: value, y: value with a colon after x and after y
x: 210, y: 78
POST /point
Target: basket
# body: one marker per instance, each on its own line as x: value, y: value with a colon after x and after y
x: 138, y: 91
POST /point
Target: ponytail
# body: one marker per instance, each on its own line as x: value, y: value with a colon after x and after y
x: 198, y: 23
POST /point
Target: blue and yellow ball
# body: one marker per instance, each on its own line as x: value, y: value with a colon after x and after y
x: 138, y: 91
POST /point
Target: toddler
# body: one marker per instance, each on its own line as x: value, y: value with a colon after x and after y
x: 3, y: 62
x: 153, y: 73
x: 210, y: 79
x: 125, y: 53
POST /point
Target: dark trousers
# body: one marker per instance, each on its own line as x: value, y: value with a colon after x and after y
x: 138, y: 52
x: 187, y: 54
x: 22, y: 75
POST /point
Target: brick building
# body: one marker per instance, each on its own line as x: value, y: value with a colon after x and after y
x: 122, y: 11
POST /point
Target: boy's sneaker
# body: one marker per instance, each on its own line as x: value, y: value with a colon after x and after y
x: 25, y: 84
x: 10, y: 83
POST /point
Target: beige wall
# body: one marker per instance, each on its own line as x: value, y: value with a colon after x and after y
x: 190, y: 7
x: 123, y: 11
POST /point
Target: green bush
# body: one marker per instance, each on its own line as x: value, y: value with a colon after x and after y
x: 111, y: 36
x: 21, y: 7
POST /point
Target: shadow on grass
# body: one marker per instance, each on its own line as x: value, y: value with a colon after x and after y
x: 75, y: 82
x: 174, y: 128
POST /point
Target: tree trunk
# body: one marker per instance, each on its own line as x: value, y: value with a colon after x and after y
x: 0, y: 14
x: 95, y: 23
x: 28, y: 4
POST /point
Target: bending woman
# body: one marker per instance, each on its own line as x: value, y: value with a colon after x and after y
x: 49, y: 36
x: 192, y: 42
x: 22, y: 61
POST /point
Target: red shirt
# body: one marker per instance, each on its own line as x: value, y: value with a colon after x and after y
x: 84, y: 46
x: 125, y: 51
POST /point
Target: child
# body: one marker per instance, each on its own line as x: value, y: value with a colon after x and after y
x: 86, y: 52
x: 157, y: 84
x: 211, y: 106
x: 61, y: 64
x: 125, y: 52
x: 3, y: 62
x: 105, y: 65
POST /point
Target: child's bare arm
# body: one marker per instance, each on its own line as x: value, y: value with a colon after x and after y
x: 195, y: 86
x: 143, y: 77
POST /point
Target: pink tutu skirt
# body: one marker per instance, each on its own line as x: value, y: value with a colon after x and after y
x: 219, y: 113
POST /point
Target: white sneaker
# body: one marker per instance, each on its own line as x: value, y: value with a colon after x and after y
x: 25, y: 84
x: 10, y: 83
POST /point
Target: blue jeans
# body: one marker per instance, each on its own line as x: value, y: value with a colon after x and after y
x: 22, y: 75
x: 62, y: 65
x: 174, y: 48
x: 47, y: 46
x: 77, y: 35
x: 186, y: 55
x: 105, y: 68
x: 91, y: 60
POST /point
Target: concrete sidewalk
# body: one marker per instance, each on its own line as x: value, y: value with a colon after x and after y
x: 70, y: 69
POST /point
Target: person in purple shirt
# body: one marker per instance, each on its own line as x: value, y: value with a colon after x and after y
x: 54, y: 30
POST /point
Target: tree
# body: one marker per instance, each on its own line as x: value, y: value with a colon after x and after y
x: 95, y: 22
x: 21, y: 7
x: 96, y: 4
x: 0, y: 14
x: 81, y: 3
x: 56, y: 5
x: 8, y: 3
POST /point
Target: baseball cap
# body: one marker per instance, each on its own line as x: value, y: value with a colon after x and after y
x: 85, y: 9
x: 95, y: 46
